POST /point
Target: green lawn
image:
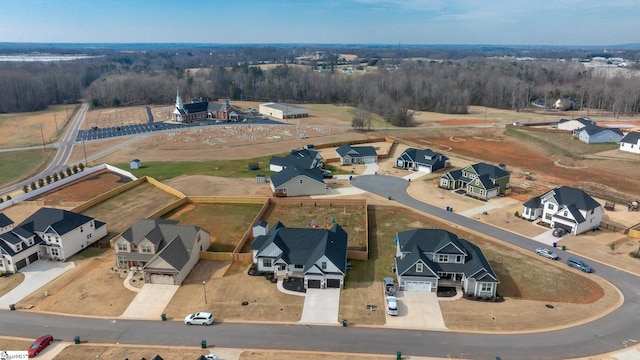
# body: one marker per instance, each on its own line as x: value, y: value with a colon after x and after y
x: 560, y: 143
x: 161, y: 170
x: 19, y: 165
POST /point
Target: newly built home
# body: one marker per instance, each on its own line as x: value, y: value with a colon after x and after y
x: 304, y: 159
x: 356, y: 154
x: 427, y: 161
x: 565, y: 207
x: 319, y: 256
x: 631, y: 142
x: 430, y: 258
x: 297, y: 181
x: 162, y: 249
x: 574, y: 124
x: 593, y: 134
x: 52, y: 233
x: 481, y: 180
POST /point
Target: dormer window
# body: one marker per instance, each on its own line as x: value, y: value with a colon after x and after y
x: 442, y: 258
x: 419, y: 267
x: 550, y: 206
x: 145, y: 249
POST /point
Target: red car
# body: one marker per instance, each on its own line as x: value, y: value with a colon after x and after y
x: 40, y: 344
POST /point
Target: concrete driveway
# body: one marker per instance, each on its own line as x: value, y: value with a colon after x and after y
x: 321, y: 307
x: 36, y: 275
x: 151, y: 302
x: 417, y: 310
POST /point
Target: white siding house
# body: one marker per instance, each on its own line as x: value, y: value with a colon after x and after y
x: 631, y: 143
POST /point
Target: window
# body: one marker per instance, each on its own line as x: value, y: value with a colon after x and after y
x: 301, y: 181
x: 18, y: 247
x: 548, y: 216
x: 89, y: 236
x: 145, y: 249
x: 550, y: 206
x: 565, y: 213
x: 30, y: 242
x: 459, y: 259
x: 324, y: 265
x: 122, y: 247
x: 81, y: 230
x: 266, y: 262
x: 122, y: 261
x: 486, y: 287
x: 299, y: 266
x: 419, y: 267
x: 443, y: 258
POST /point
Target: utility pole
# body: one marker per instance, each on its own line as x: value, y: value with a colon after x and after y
x: 85, y: 153
x: 55, y: 118
x: 42, y: 133
x: 205, y: 291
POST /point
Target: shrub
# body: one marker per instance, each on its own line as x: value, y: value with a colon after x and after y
x: 9, y: 197
x: 81, y: 166
x: 25, y: 189
x: 517, y: 214
x: 33, y: 185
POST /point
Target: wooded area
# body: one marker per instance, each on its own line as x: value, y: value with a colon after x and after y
x: 394, y: 87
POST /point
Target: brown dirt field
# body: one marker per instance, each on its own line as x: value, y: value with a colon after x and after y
x: 226, y: 294
x: 269, y: 355
x: 7, y: 343
x: 202, y: 185
x: 89, y: 289
x: 9, y: 283
x: 81, y: 190
x: 119, y: 352
x: 122, y: 210
x: 353, y: 300
x: 28, y: 129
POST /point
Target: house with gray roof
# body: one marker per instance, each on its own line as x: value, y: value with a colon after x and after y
x: 51, y: 233
x: 594, y: 134
x: 165, y: 251
x: 573, y: 124
x: 430, y: 258
x: 296, y: 181
x: 356, y: 154
x: 305, y: 159
x: 319, y: 256
x: 481, y: 180
x: 631, y: 142
x: 426, y: 160
x: 565, y: 207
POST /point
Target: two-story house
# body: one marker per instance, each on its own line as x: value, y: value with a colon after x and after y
x: 319, y: 256
x: 565, y: 207
x: 165, y: 251
x: 480, y: 180
x: 429, y: 258
x: 304, y: 159
x: 54, y: 233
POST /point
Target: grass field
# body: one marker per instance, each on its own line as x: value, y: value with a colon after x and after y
x: 8, y: 283
x: 225, y: 223
x: 29, y: 129
x: 223, y: 168
x: 551, y: 142
x: 19, y: 165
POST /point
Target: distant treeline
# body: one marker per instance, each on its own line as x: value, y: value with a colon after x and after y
x: 399, y: 82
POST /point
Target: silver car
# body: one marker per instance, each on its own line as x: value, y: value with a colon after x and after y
x: 199, y: 318
x: 546, y: 253
x: 392, y: 305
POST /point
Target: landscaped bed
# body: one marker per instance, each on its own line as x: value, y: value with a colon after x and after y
x: 226, y: 223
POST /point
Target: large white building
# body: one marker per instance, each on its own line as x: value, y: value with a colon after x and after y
x: 283, y: 111
x: 631, y: 142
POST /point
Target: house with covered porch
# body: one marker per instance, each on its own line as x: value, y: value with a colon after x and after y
x: 481, y: 180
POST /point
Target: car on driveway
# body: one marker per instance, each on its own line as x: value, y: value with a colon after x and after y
x: 389, y: 286
x: 392, y: 305
x: 211, y: 357
x: 579, y: 264
x: 40, y: 344
x: 199, y: 318
x: 559, y: 232
x: 547, y: 253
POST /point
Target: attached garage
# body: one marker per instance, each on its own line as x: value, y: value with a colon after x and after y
x: 333, y: 283
x: 564, y: 226
x: 314, y: 284
x: 20, y: 264
x: 417, y: 286
x: 424, y: 169
x: 33, y: 257
x: 162, y: 279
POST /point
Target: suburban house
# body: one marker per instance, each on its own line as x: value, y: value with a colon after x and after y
x: 224, y: 111
x: 356, y: 154
x: 592, y: 134
x: 187, y: 113
x: 319, y: 256
x: 573, y: 124
x: 283, y: 111
x: 164, y: 250
x: 564, y: 104
x: 565, y: 207
x: 422, y: 160
x: 631, y: 142
x: 53, y: 233
x: 430, y: 258
x: 481, y: 180
x: 304, y: 159
x: 297, y: 181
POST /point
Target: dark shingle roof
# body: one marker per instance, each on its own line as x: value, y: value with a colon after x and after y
x: 631, y: 138
x: 5, y: 220
x: 566, y: 196
x: 175, y: 253
x: 291, y: 172
x: 196, y: 107
x: 493, y: 171
x: 426, y: 157
x: 346, y: 149
x: 595, y: 129
x: 61, y: 221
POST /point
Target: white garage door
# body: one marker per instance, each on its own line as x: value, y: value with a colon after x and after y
x: 425, y: 169
x: 162, y: 279
x: 417, y: 286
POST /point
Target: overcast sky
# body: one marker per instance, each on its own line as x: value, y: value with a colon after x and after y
x: 496, y: 22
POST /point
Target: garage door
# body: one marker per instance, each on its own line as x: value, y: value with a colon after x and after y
x: 33, y: 257
x: 425, y: 169
x: 417, y: 286
x: 162, y: 279
x: 313, y: 284
x: 333, y: 283
x: 566, y: 227
x: 20, y: 264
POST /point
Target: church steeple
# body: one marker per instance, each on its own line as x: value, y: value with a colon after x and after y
x: 179, y: 105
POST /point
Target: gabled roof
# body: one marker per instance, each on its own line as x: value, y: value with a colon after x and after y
x: 303, y: 158
x: 11, y: 238
x: 405, y: 265
x: 174, y: 253
x: 291, y: 172
x: 302, y: 246
x: 486, y: 182
x: 595, y: 129
x: 454, y: 174
x: 58, y: 220
x: 492, y: 171
x: 430, y: 240
x: 142, y: 228
x: 5, y: 220
x: 584, y: 121
x: 631, y: 138
x: 196, y: 107
x: 426, y: 157
x: 346, y: 149
x: 566, y: 196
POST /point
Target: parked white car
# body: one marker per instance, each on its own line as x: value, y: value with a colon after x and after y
x: 392, y: 305
x: 199, y: 318
x: 546, y: 253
